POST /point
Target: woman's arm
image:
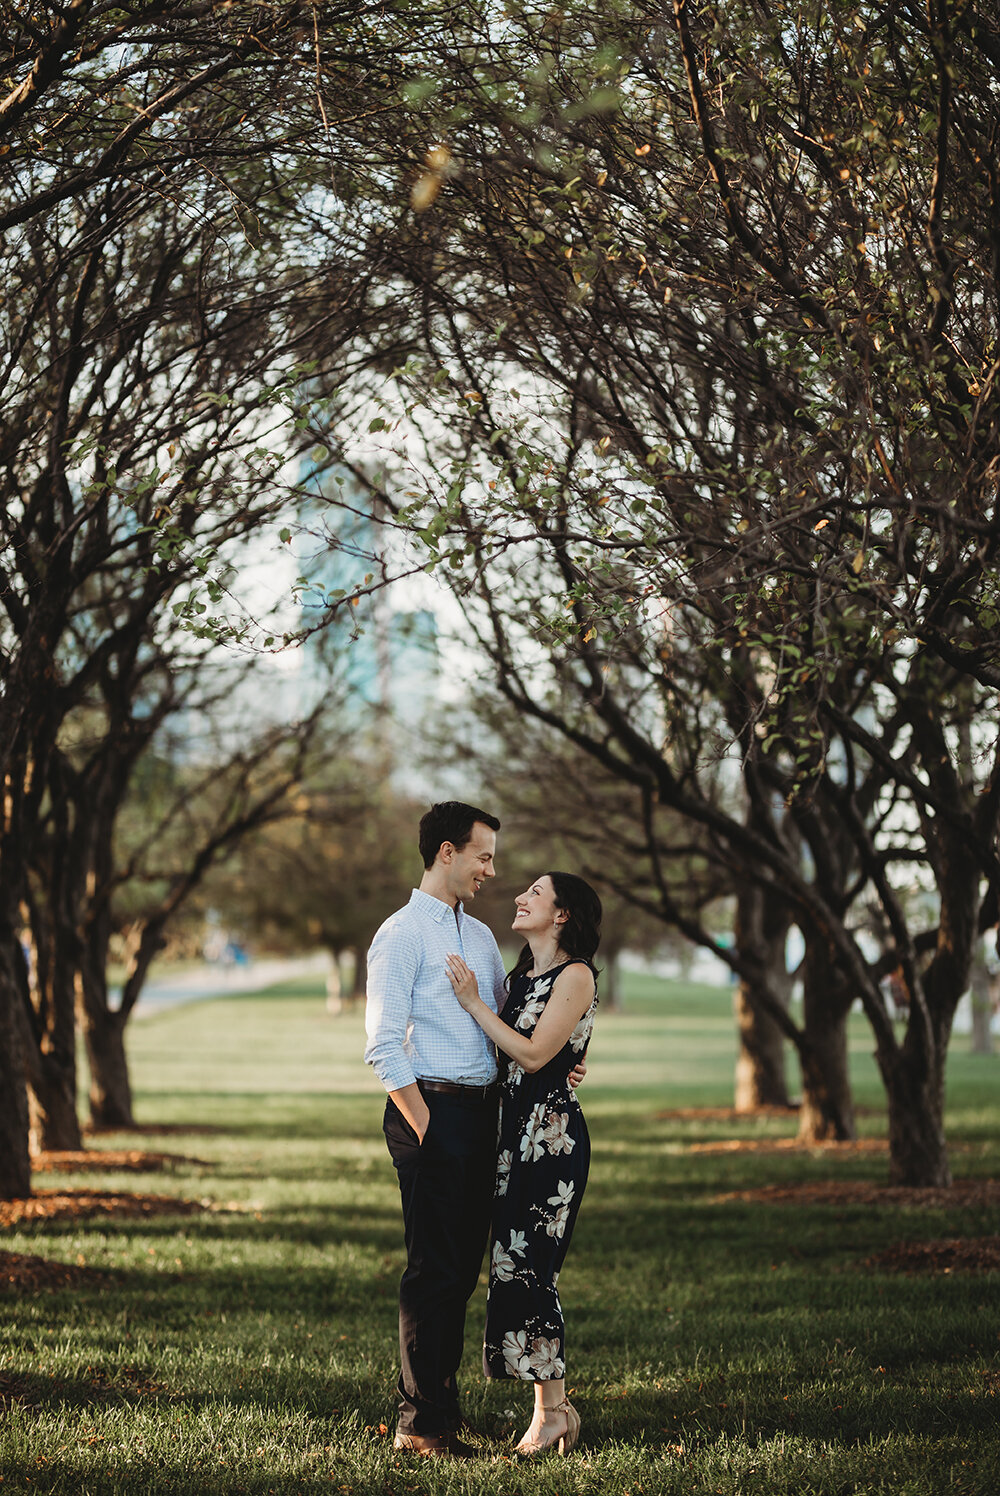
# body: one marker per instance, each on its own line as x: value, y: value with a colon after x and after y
x: 571, y: 996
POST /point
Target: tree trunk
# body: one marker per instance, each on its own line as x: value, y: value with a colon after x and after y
x: 103, y: 1029
x: 982, y: 998
x: 761, y: 930
x: 827, y: 1110
x: 110, y: 1093
x: 918, y: 1154
x: 15, y: 1167
x: 982, y: 1018
x: 53, y: 1123
x: 914, y: 1071
x: 610, y: 981
x: 51, y: 1067
x: 760, y: 1063
x: 334, y: 984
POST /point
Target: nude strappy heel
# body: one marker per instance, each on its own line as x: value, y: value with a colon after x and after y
x: 572, y: 1433
x: 562, y: 1444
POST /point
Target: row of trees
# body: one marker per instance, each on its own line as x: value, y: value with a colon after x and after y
x: 694, y: 323
x: 707, y: 311
x: 163, y: 304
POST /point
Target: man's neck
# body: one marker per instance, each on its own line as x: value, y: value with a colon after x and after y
x: 434, y: 884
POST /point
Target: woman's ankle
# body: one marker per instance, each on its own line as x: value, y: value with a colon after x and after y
x: 550, y: 1397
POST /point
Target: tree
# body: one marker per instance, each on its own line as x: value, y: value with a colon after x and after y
x: 214, y: 806
x: 328, y: 874
x: 763, y: 924
x: 166, y: 299
x: 15, y: 1166
x: 984, y: 995
x: 559, y: 811
x: 560, y: 807
x: 747, y: 264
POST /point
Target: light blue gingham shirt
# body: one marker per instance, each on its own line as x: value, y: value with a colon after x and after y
x: 415, y: 1026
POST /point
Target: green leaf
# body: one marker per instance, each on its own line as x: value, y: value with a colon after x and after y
x: 601, y: 101
x: 418, y: 89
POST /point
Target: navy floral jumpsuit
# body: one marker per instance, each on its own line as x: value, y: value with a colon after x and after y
x: 541, y: 1173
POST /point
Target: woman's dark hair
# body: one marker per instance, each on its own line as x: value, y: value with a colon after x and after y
x: 581, y: 933
x: 450, y: 821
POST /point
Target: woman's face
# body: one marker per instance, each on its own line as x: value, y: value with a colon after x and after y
x: 536, y: 911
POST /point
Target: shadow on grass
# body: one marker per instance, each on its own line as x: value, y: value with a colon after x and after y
x: 750, y: 1407
x: 697, y: 1415
x: 307, y: 1116
x: 318, y: 1393
x: 714, y: 1238
x: 96, y: 1387
x: 367, y: 1226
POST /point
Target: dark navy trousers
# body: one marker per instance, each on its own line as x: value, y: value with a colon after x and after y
x: 446, y: 1187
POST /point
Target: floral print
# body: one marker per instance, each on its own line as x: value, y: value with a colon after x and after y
x: 544, y: 1359
x: 533, y: 1137
x: 555, y: 1225
x: 515, y: 1353
x: 503, y: 1265
x: 544, y: 1154
x: 580, y: 1037
x: 556, y: 1135
x: 538, y: 1361
x: 530, y: 1014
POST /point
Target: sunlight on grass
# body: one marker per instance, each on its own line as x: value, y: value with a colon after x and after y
x: 716, y: 1345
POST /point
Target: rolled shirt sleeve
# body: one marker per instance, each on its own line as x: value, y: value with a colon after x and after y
x: 393, y: 963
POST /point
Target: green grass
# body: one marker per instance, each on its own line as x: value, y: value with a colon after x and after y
x: 715, y: 1346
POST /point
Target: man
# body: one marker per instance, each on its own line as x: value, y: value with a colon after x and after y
x: 441, y: 1112
x: 440, y: 1120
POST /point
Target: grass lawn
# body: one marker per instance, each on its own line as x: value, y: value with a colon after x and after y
x: 716, y: 1345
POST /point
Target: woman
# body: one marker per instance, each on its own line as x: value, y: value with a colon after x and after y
x: 543, y: 1030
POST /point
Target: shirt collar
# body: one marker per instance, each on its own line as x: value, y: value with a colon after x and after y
x: 436, y: 908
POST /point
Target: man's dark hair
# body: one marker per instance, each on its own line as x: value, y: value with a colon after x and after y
x: 450, y: 821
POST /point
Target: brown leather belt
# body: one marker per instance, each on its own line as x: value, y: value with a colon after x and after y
x: 452, y: 1088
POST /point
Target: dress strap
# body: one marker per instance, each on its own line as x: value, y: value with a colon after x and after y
x: 578, y: 961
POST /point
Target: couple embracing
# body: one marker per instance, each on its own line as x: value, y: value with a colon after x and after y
x: 453, y: 1040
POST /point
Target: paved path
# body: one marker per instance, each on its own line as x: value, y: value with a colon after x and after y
x: 213, y: 979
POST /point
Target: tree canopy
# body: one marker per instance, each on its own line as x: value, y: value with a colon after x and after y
x: 168, y: 296
x: 683, y: 326
x: 707, y: 318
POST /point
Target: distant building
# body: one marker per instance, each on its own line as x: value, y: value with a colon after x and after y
x: 384, y: 655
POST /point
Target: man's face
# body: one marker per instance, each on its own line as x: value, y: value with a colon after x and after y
x: 469, y: 867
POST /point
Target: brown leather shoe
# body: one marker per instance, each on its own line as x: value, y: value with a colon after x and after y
x: 426, y: 1444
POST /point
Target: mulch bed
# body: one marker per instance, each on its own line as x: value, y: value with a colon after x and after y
x: 793, y: 1145
x: 21, y: 1272
x: 952, y: 1255
x: 964, y: 1193
x: 730, y: 1114
x: 722, y: 1114
x: 68, y: 1205
x: 156, y: 1130
x: 107, y: 1160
